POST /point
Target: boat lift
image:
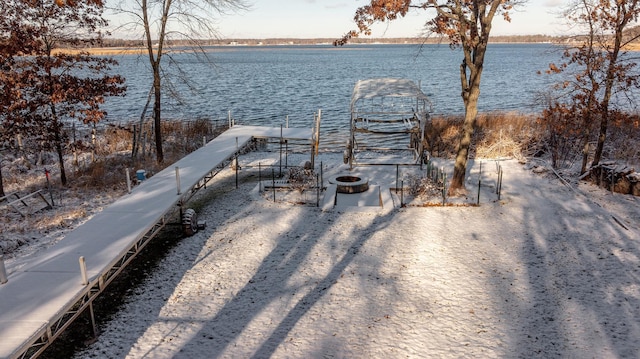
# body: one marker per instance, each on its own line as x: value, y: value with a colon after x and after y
x: 388, y: 119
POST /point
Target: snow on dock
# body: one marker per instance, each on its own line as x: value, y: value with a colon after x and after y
x: 45, y: 294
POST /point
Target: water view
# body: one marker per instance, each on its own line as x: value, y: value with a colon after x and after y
x: 264, y: 85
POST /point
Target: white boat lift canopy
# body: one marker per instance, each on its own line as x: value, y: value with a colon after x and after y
x: 387, y: 115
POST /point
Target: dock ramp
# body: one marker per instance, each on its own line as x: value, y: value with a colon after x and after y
x: 45, y: 294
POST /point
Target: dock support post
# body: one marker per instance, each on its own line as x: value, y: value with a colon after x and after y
x: 3, y: 271
x: 83, y: 270
x: 93, y: 320
x: 178, y: 179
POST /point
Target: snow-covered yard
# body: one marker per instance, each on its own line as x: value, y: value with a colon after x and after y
x: 546, y: 271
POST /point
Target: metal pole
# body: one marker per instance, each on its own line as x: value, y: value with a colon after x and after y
x: 273, y: 183
x: 178, y: 179
x: 236, y: 161
x: 479, y: 183
x: 260, y: 177
x: 83, y: 270
x: 3, y: 271
x: 280, y: 173
x: 499, y: 183
x: 397, y: 177
x: 444, y: 187
x: 317, y: 190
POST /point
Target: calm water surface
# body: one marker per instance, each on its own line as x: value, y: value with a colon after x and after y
x: 264, y: 85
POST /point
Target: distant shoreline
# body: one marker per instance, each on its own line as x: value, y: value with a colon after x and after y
x: 131, y: 47
x: 126, y: 47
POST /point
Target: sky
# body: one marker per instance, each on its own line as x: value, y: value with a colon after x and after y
x: 333, y: 18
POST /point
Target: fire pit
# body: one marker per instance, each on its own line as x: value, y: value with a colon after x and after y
x: 350, y: 184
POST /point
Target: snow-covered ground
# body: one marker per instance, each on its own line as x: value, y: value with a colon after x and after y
x: 546, y: 271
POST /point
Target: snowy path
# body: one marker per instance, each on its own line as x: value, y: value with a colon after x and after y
x: 542, y: 273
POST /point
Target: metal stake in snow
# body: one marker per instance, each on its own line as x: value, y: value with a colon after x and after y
x: 3, y: 271
x: 83, y: 270
x: 235, y: 161
x: 479, y: 183
x: 178, y: 178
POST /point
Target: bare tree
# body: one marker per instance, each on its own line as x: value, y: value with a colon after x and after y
x: 467, y: 24
x: 161, y: 21
x: 597, y: 68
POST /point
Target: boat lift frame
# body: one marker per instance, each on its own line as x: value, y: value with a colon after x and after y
x: 388, y: 111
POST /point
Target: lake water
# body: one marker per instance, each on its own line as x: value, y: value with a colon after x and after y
x: 264, y: 85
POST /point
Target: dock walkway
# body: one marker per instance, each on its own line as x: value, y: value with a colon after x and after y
x: 45, y: 294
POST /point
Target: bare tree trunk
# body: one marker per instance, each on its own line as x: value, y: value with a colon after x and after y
x: 157, y: 115
x: 59, y: 150
x: 626, y: 12
x: 460, y: 166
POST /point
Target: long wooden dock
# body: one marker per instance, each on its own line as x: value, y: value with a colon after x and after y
x: 44, y: 295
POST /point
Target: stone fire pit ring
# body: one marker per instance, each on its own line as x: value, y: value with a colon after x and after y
x: 350, y: 183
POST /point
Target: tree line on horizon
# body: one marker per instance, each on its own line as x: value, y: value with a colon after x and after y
x: 130, y: 43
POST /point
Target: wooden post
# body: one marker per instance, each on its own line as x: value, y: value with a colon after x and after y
x: 83, y: 270
x: 178, y: 179
x: 128, y: 180
x: 3, y: 271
